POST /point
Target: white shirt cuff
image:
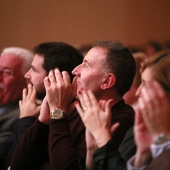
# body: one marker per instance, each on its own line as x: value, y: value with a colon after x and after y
x: 130, y: 165
x: 158, y: 149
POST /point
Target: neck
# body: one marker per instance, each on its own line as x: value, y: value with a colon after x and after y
x: 109, y: 95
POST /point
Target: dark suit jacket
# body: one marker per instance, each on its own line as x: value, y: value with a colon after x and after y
x: 108, y: 157
x: 162, y: 162
x: 18, y: 128
x: 7, y: 118
x: 116, y: 152
x: 32, y: 152
x: 66, y: 143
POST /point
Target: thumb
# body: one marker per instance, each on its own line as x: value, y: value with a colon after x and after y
x: 74, y: 85
x: 114, y: 127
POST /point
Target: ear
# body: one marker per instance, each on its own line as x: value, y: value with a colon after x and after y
x: 109, y: 81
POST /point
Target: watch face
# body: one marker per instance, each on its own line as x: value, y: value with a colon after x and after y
x: 57, y: 114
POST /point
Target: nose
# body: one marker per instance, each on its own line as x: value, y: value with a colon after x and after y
x: 27, y: 74
x: 75, y: 70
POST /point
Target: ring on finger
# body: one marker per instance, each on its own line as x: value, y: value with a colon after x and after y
x: 84, y: 108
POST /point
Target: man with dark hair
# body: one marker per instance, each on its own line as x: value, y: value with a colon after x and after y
x: 48, y: 56
x: 107, y: 70
x: 112, y: 67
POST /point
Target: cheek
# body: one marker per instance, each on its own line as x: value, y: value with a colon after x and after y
x: 13, y: 88
x: 38, y: 82
x: 37, y: 79
x: 17, y: 83
x: 91, y: 83
x: 9, y: 82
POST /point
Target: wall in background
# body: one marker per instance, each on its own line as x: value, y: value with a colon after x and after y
x: 27, y: 23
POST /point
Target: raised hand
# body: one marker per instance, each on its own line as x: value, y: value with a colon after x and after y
x: 44, y: 116
x: 28, y: 106
x: 152, y: 119
x: 155, y: 108
x: 59, y: 91
x: 96, y: 116
x: 143, y: 140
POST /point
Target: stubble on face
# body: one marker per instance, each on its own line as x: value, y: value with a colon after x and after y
x: 35, y: 76
x: 91, y: 71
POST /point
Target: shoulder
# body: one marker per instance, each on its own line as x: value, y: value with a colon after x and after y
x: 162, y: 161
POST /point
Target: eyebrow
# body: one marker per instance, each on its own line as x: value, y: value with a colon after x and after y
x: 85, y: 61
x: 34, y: 68
x: 6, y: 68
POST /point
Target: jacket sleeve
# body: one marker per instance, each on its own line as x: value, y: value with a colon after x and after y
x: 108, y: 157
x: 67, y: 144
x: 30, y: 152
x: 18, y: 128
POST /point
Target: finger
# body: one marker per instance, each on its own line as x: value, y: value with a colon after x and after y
x: 79, y: 109
x: 67, y: 84
x: 108, y: 107
x: 149, y: 96
x: 114, y: 127
x: 29, y: 91
x: 138, y: 116
x: 24, y: 94
x: 92, y: 101
x: 58, y: 76
x: 87, y: 99
x: 141, y: 110
x: 74, y: 85
x: 59, y: 84
x: 33, y: 94
x: 81, y: 99
x: 160, y: 93
x: 46, y: 82
x: 102, y: 104
x: 20, y: 103
x: 38, y: 102
x: 38, y: 110
x: 51, y: 76
x: 141, y: 104
x: 66, y: 78
x: 159, y: 88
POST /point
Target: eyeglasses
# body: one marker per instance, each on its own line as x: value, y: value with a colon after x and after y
x: 6, y: 72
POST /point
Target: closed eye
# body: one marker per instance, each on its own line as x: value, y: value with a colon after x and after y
x: 84, y: 65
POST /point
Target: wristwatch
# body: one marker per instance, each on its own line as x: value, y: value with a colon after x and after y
x: 160, y: 139
x: 57, y: 114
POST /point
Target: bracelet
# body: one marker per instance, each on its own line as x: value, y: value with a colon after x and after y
x: 162, y: 138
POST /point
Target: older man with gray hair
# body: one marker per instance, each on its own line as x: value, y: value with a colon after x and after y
x: 14, y: 63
